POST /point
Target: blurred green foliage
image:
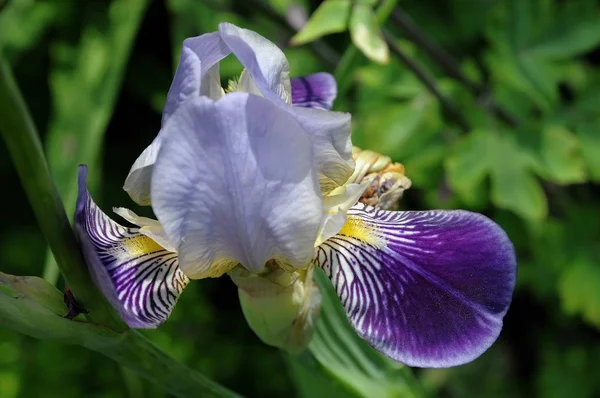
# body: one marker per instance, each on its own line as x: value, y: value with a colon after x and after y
x: 524, y: 75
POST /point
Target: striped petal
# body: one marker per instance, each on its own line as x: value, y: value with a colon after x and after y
x: 314, y: 91
x: 428, y: 289
x: 140, y: 278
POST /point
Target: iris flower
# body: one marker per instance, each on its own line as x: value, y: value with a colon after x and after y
x: 259, y: 181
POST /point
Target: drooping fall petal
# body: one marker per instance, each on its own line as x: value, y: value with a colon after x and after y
x: 426, y: 288
x: 140, y: 278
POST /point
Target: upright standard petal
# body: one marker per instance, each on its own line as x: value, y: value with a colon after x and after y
x: 314, y: 91
x: 139, y: 278
x: 426, y: 288
x: 265, y: 62
x: 330, y: 136
x: 197, y: 71
x: 235, y: 182
x: 197, y: 74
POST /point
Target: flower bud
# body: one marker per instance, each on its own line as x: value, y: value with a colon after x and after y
x: 281, y: 307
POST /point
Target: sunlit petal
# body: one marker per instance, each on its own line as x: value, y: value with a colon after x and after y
x: 235, y: 182
x: 265, y: 62
x: 137, y: 183
x: 427, y: 289
x: 197, y: 71
x: 314, y: 91
x: 197, y: 74
x: 141, y: 279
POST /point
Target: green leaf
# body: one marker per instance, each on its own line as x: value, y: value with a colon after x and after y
x: 514, y: 186
x: 85, y: 83
x: 469, y: 165
x: 531, y: 41
x: 559, y: 155
x: 589, y: 135
x: 366, y: 35
x: 579, y: 289
x: 330, y: 17
x: 23, y: 22
x: 36, y: 289
x: 509, y: 166
x: 32, y: 306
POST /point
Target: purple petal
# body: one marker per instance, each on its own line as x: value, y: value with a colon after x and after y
x: 314, y: 91
x: 139, y: 278
x: 426, y: 288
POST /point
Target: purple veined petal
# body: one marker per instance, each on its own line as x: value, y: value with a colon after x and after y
x: 314, y: 91
x: 426, y: 288
x: 139, y: 278
x: 235, y: 182
x: 265, y: 62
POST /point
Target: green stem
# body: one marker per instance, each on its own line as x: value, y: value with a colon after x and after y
x: 31, y: 306
x: 19, y: 133
x: 343, y: 72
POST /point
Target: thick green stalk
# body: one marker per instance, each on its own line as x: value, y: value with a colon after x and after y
x: 21, y: 138
x: 32, y: 306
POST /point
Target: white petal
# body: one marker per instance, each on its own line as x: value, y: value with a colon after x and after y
x: 335, y: 207
x: 235, y: 182
x: 137, y: 183
x: 149, y: 227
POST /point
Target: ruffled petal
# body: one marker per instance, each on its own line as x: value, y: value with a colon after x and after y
x: 235, y: 182
x: 314, y: 91
x: 330, y: 136
x: 197, y: 71
x: 197, y: 74
x: 426, y: 288
x: 265, y: 62
x: 139, y: 278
